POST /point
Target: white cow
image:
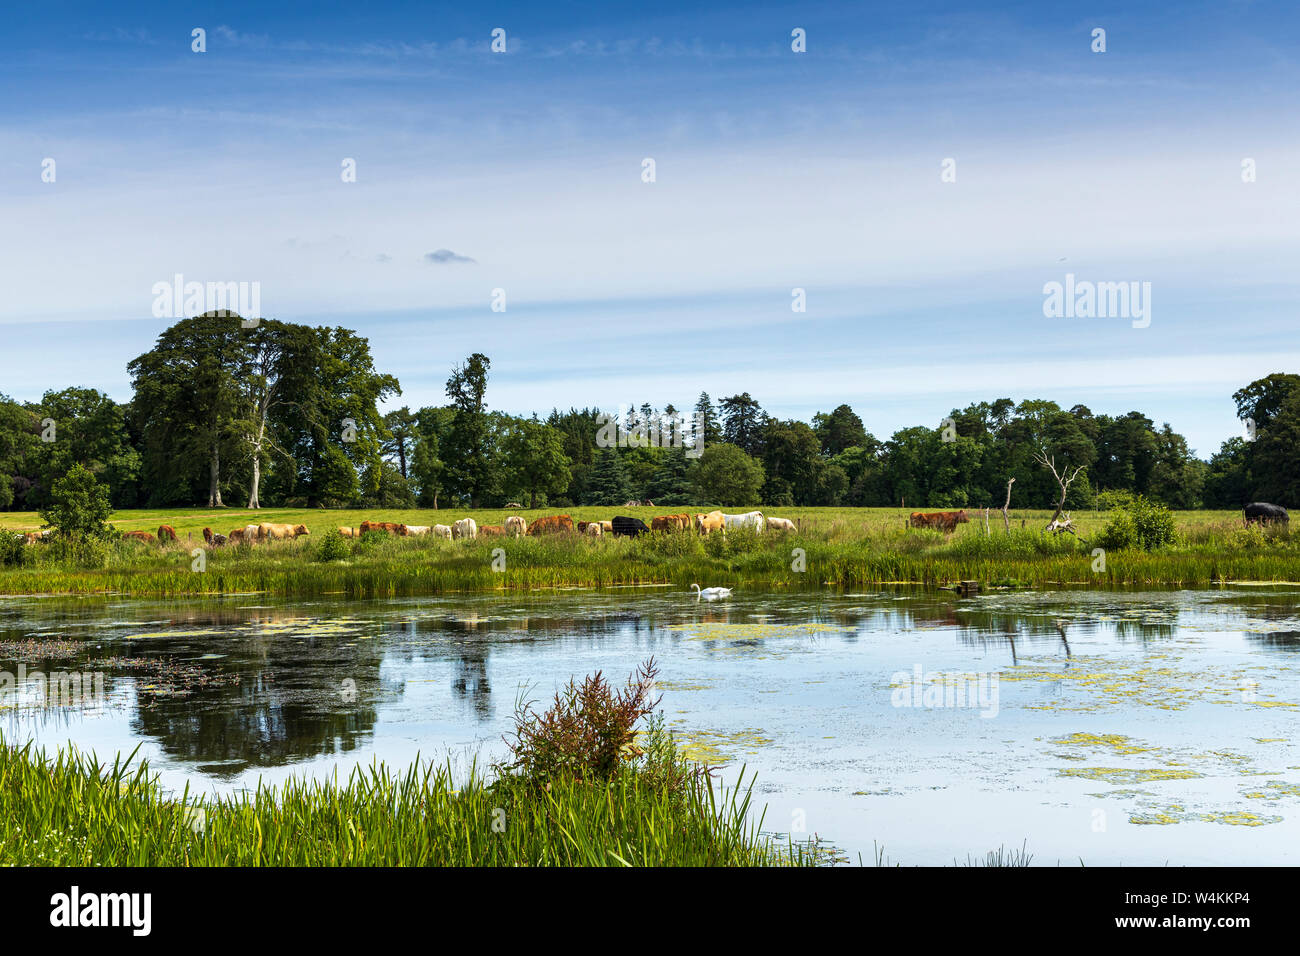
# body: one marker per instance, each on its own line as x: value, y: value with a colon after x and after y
x: 465, y: 528
x: 442, y: 531
x: 750, y: 519
x: 780, y: 524
x: 516, y: 526
x: 417, y: 529
x: 593, y: 529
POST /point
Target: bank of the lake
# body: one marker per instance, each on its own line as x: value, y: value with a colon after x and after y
x: 71, y: 809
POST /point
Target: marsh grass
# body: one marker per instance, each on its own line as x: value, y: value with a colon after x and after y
x: 841, y: 548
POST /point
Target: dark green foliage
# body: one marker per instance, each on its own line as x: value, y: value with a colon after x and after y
x: 331, y: 546
x: 1137, y: 522
x: 78, y: 506
x: 606, y: 482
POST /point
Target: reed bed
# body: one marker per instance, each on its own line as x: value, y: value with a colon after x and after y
x: 71, y: 810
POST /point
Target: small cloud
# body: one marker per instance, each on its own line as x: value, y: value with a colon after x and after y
x: 383, y: 257
x: 235, y: 38
x: 444, y: 256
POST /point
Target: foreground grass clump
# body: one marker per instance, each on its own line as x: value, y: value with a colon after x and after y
x: 838, y: 547
x: 630, y: 806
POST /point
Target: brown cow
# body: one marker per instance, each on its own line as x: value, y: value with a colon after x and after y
x: 555, y: 524
x: 166, y: 533
x: 268, y: 531
x: 680, y: 522
x: 713, y: 521
x: 388, y: 527
x: 492, y: 530
x: 348, y: 532
x: 945, y: 521
x: 140, y: 536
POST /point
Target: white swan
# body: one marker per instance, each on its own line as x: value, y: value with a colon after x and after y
x: 711, y: 594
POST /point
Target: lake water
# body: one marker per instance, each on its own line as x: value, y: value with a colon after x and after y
x: 1109, y: 727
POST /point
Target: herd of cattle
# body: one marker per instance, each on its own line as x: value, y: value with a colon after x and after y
x: 515, y: 526
x: 619, y: 526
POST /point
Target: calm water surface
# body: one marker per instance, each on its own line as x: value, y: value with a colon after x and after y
x: 1116, y: 728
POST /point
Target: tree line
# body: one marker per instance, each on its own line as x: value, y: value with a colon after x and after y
x: 286, y: 414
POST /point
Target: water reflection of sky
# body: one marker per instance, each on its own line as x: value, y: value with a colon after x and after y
x: 1128, y: 728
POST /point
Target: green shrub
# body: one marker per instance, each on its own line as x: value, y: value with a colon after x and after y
x: 332, y: 546
x: 1137, y: 523
x: 79, y: 505
x: 13, y: 551
x: 588, y: 733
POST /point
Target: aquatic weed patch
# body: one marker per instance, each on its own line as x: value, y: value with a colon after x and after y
x: 1101, y: 683
x: 716, y: 748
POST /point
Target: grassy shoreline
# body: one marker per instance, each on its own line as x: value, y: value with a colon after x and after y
x: 834, y: 547
x: 72, y: 810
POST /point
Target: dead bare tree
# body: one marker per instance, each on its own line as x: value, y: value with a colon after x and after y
x: 1063, y: 479
x: 1006, y: 522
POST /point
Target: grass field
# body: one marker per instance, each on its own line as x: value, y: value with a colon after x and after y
x: 844, y: 547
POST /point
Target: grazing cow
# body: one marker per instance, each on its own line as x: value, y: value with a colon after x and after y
x: 713, y: 521
x: 625, y: 527
x: 251, y: 533
x: 1260, y: 511
x: 592, y: 529
x: 276, y: 532
x: 780, y: 524
x: 140, y: 536
x: 607, y: 527
x: 31, y: 537
x: 514, y: 504
x: 416, y: 530
x: 214, y: 540
x: 166, y: 533
x: 465, y: 528
x: 516, y: 526
x: 552, y: 524
x: 387, y: 527
x: 680, y: 522
x: 348, y: 532
x: 492, y: 531
x: 442, y: 531
x: 752, y: 520
x: 945, y: 521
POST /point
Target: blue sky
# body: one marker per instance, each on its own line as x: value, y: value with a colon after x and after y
x: 774, y: 170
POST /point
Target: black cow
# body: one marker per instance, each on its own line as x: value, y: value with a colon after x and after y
x: 629, y: 527
x: 1262, y: 511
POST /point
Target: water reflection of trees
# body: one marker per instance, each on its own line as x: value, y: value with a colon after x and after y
x: 297, y: 697
x: 1277, y: 640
